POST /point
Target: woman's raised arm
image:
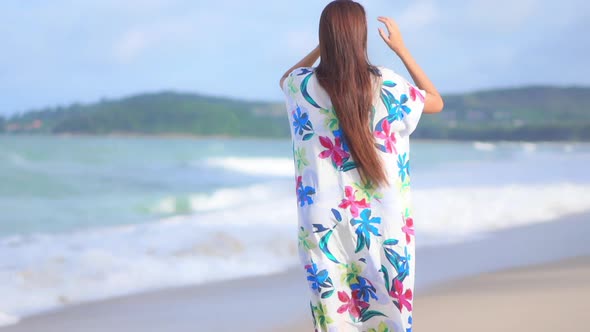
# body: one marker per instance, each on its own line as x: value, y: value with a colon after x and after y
x: 307, y: 61
x: 433, y: 102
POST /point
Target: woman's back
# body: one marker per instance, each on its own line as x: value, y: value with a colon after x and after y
x: 396, y: 110
x: 355, y: 238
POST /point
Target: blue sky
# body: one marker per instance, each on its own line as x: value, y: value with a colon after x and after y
x: 59, y: 52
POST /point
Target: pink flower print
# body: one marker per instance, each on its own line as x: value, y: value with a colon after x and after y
x: 351, y: 304
x: 408, y: 229
x: 334, y: 150
x: 350, y: 201
x: 415, y: 93
x: 388, y: 136
x: 402, y: 299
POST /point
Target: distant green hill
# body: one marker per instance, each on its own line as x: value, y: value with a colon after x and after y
x: 527, y: 113
x: 530, y: 113
x: 161, y: 113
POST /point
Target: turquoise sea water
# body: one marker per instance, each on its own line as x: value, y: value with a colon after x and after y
x: 93, y: 217
x: 55, y: 184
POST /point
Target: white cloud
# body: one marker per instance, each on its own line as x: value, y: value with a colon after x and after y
x: 85, y: 50
x: 130, y: 45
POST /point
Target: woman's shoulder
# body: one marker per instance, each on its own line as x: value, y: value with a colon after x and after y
x: 389, y: 74
x: 393, y: 81
x: 294, y: 80
x: 302, y: 71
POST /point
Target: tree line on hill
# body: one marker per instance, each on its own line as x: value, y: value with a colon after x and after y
x: 529, y: 113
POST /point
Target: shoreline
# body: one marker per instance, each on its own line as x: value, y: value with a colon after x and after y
x: 283, y: 297
x: 514, y: 299
x: 229, y: 137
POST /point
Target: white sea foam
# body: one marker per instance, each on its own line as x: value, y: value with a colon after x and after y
x: 529, y: 147
x: 223, y: 198
x: 256, y: 235
x: 467, y: 211
x: 484, y: 146
x: 265, y: 166
x: 6, y: 319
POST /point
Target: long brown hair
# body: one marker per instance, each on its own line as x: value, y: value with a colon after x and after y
x: 347, y: 76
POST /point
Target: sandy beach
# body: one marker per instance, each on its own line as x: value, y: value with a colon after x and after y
x: 545, y: 297
x: 530, y: 278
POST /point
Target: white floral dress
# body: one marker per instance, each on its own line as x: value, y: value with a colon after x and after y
x: 356, y: 240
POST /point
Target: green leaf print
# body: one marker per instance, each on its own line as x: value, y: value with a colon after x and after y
x: 321, y: 317
x: 360, y: 243
x: 372, y: 117
x: 390, y: 242
x: 324, y: 247
x: 347, y: 166
x: 292, y: 87
x: 381, y: 328
x: 303, y: 239
x: 313, y: 308
x: 366, y: 191
x: 407, y: 212
x: 301, y: 159
x: 331, y: 120
x: 305, y: 93
x: 403, y: 186
x: 406, y: 183
x: 369, y: 314
x: 327, y: 294
x: 350, y: 272
x: 385, y: 276
x: 389, y: 84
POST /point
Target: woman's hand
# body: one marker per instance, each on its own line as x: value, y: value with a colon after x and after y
x: 433, y: 102
x: 394, y: 38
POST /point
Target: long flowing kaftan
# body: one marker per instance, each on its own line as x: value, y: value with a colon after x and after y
x: 356, y: 240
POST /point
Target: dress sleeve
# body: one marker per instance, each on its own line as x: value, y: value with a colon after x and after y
x: 289, y: 90
x: 291, y: 83
x: 415, y: 105
x: 286, y: 83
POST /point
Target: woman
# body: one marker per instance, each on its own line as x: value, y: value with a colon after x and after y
x: 351, y: 123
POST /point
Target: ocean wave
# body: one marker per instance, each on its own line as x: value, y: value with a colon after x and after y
x: 484, y: 146
x: 6, y: 319
x: 17, y: 160
x: 264, y: 166
x: 528, y: 147
x: 49, y: 271
x: 473, y: 210
x: 255, y: 236
x: 220, y: 199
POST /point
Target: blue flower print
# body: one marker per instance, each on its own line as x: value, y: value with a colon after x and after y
x: 403, y: 163
x: 365, y: 289
x: 396, y: 109
x: 303, y: 71
x: 304, y: 193
x: 365, y: 229
x: 315, y: 277
x: 400, y: 263
x: 319, y: 279
x: 301, y: 121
